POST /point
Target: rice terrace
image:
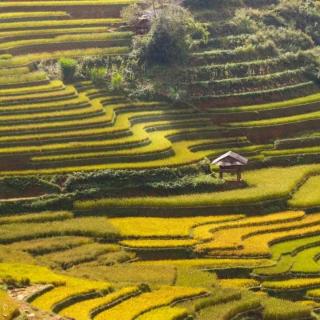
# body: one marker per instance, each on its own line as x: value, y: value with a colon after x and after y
x: 159, y: 159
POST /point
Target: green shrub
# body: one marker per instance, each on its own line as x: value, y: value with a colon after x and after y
x: 170, y: 38
x: 68, y: 68
x: 116, y: 81
x: 98, y: 75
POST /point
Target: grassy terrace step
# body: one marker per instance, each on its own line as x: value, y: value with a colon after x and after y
x: 37, y: 217
x: 292, y: 284
x: 308, y: 195
x: 23, y: 16
x: 77, y: 9
x: 56, y: 54
x: 88, y: 227
x: 113, y: 38
x: 244, y: 69
x: 77, y: 255
x: 67, y: 125
x: 230, y: 56
x: 179, y: 150
x: 42, y: 26
x: 153, y: 142
x: 230, y: 309
x: 280, y: 120
x: 68, y: 115
x: 207, y: 263
x: 34, y: 4
x: 307, y: 228
x: 275, y: 94
x: 63, y: 94
x: 293, y: 246
x: 135, y: 227
x: 121, y: 124
x: 83, y: 309
x: 10, y: 36
x: 72, y: 289
x: 298, y: 141
x: 149, y: 244
x: 8, y: 308
x: 77, y: 103
x: 261, y: 184
x: 14, y: 71
x: 291, y: 152
x: 52, y: 86
x: 36, y: 77
x: 38, y: 274
x: 242, y: 242
x: 273, y: 106
x: 223, y: 43
x: 132, y: 308
x: 42, y: 246
x: 158, y: 147
x: 155, y: 146
x: 248, y: 84
x: 169, y: 313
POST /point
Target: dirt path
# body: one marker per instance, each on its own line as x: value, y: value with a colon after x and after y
x: 30, y: 312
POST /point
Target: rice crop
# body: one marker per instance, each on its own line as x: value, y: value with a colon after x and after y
x: 78, y: 254
x: 36, y: 217
x: 88, y: 226
x: 207, y: 263
x: 308, y: 195
x: 158, y: 243
x: 81, y: 311
x: 132, y: 308
x: 164, y: 227
x: 168, y: 313
x: 48, y: 245
x: 8, y: 308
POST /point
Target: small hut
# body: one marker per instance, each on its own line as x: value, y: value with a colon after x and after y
x: 231, y: 162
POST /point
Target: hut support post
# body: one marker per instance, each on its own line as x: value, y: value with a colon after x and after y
x: 239, y: 174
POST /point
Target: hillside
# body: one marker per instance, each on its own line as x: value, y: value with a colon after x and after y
x: 110, y: 207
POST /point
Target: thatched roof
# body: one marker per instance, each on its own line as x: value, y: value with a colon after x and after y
x: 230, y: 159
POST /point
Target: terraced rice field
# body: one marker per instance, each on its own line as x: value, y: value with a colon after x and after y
x: 209, y: 255
x: 52, y: 128
x: 108, y: 284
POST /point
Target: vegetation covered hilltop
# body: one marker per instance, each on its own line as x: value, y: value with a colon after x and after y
x: 111, y: 112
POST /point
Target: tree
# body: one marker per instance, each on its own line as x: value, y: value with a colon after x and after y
x: 170, y: 38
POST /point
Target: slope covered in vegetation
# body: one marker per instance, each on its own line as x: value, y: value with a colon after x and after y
x: 109, y: 205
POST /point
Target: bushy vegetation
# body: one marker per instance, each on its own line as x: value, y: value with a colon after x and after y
x: 162, y: 180
x: 153, y: 226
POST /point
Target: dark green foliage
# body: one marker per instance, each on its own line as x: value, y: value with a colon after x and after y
x: 144, y: 287
x: 11, y: 187
x: 68, y: 68
x: 169, y: 40
x: 303, y: 15
x: 193, y: 178
x: 210, y: 3
x: 12, y: 283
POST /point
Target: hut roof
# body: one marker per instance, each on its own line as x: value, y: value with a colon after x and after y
x: 230, y: 159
